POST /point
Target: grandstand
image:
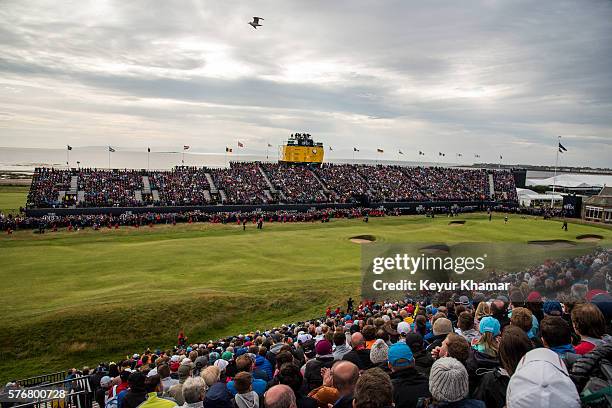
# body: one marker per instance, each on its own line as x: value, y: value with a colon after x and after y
x: 254, y: 183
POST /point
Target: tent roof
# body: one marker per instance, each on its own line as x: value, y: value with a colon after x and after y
x: 573, y: 181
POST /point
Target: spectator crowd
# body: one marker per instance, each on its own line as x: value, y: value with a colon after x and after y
x: 253, y: 183
x: 522, y: 348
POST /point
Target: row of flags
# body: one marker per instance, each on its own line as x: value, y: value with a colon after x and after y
x: 561, y: 148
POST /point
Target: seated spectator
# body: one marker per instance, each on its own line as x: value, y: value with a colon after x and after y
x: 245, y: 396
x: 590, y: 325
x: 514, y: 344
x: 408, y: 383
x: 541, y: 380
x: 194, y: 392
x: 373, y: 390
x: 449, y: 387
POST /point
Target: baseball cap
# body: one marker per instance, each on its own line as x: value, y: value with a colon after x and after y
x: 403, y: 328
x: 399, y: 355
x: 541, y: 380
x: 489, y: 324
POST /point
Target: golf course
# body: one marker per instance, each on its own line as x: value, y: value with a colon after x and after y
x: 76, y: 298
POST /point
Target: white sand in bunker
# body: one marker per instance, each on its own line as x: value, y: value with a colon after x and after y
x: 363, y: 239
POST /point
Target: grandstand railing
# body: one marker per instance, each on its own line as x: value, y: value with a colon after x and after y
x: 43, y: 379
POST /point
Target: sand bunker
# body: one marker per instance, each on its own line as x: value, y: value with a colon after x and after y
x: 456, y: 223
x: 363, y: 239
x: 589, y: 238
x: 435, y: 250
x: 553, y: 243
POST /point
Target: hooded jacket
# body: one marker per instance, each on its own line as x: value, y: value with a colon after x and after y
x: 408, y: 386
x: 218, y: 396
x: 248, y: 400
x: 263, y: 364
x: 492, y: 388
x: 477, y: 365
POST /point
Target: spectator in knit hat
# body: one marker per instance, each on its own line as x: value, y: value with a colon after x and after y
x: 324, y: 359
x: 176, y: 391
x: 341, y: 348
x: 373, y: 390
x: 448, y: 384
x: 590, y: 325
x: 441, y: 327
x: 514, y: 344
x: 194, y: 392
x: 359, y: 355
x: 408, y: 383
x: 378, y: 354
x: 541, y: 380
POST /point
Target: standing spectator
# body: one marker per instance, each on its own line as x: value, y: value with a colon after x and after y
x: 153, y: 387
x: 137, y: 393
x: 590, y: 325
x: 280, y: 396
x: 245, y: 396
x: 102, y: 391
x: 449, y: 387
x: 245, y: 364
x: 289, y: 374
x: 176, y: 391
x: 194, y: 392
x: 359, y: 355
x: 373, y: 390
x: 541, y: 380
x: 344, y: 378
x: 408, y: 384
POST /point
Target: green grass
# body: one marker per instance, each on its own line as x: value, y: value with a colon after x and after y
x: 12, y: 198
x: 75, y: 298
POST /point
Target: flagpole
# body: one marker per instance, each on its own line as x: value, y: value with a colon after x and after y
x: 109, y: 152
x: 552, y: 199
x: 148, y: 154
x: 67, y: 157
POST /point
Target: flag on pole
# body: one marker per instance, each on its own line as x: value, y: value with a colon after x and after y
x: 400, y: 152
x: 562, y: 148
x: 148, y: 150
x: 421, y: 153
x: 110, y: 149
x: 228, y: 149
x: 240, y: 144
x: 459, y: 155
x: 476, y: 155
x: 380, y: 150
x: 185, y: 147
x: 355, y: 149
x: 330, y: 149
x: 441, y: 154
x: 69, y: 147
x: 269, y: 145
x: 501, y: 157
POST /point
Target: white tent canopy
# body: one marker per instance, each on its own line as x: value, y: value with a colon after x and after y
x: 573, y: 181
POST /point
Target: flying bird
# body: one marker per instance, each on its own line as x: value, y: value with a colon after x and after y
x: 255, y: 22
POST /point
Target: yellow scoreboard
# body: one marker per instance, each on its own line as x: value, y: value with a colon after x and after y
x: 301, y: 149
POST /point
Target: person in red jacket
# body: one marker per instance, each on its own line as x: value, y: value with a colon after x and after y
x: 589, y: 323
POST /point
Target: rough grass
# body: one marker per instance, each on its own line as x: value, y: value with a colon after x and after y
x: 12, y: 198
x: 75, y: 298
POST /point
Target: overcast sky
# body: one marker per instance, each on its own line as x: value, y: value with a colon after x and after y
x: 487, y: 77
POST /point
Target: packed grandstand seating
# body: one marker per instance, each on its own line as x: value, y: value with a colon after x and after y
x: 257, y: 183
x: 530, y: 346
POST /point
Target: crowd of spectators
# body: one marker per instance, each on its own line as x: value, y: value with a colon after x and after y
x: 109, y: 188
x: 181, y: 186
x: 242, y: 183
x: 245, y: 183
x: 519, y: 348
x: 298, y: 184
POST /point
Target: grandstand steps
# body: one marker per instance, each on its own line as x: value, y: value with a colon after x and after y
x: 155, y: 195
x: 211, y: 183
x: 80, y: 196
x: 268, y: 182
x: 223, y: 196
x: 325, y: 189
x: 146, y: 185
x: 268, y: 195
x: 207, y: 196
x: 491, y: 186
x: 74, y: 185
x: 138, y: 196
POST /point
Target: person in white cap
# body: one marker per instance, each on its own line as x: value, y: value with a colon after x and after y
x: 541, y: 380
